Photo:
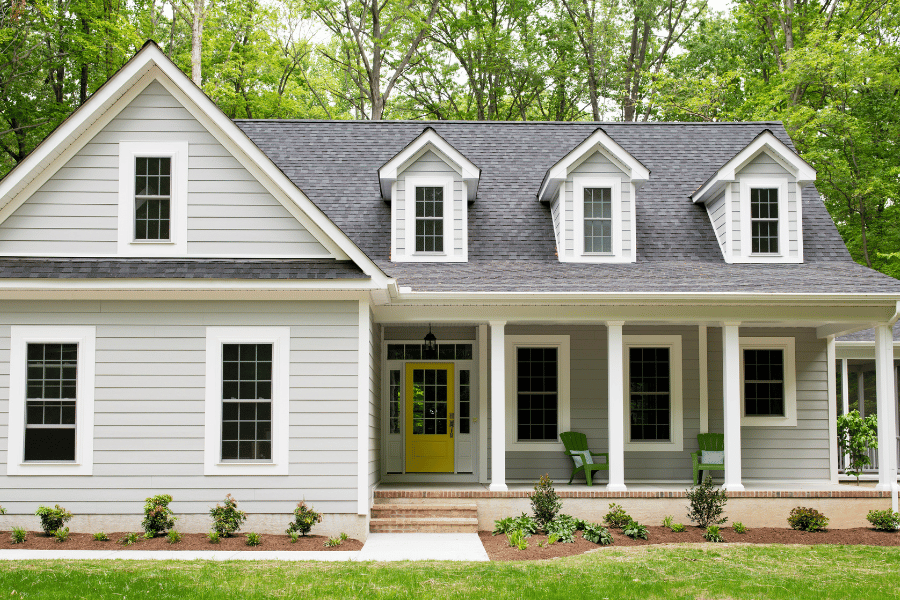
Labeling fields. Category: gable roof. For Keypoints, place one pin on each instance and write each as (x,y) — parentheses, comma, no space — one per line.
(147,65)
(429,140)
(511,242)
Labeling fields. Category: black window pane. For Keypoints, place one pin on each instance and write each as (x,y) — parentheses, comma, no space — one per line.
(49,444)
(649,400)
(247,375)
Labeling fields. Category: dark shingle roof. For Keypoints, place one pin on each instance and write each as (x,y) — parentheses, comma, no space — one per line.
(511,244)
(163,268)
(868,335)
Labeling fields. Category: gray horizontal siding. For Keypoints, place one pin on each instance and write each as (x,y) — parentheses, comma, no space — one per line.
(229,211)
(150,402)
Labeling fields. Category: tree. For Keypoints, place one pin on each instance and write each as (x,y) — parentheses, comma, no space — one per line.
(855,436)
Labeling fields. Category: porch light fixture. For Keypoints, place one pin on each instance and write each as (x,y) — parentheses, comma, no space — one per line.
(430,349)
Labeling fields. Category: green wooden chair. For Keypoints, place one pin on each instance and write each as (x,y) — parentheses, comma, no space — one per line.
(709,442)
(576,446)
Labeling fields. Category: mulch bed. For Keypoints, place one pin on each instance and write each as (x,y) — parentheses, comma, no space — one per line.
(498,548)
(36,540)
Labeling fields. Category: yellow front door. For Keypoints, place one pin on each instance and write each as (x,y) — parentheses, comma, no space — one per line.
(429,417)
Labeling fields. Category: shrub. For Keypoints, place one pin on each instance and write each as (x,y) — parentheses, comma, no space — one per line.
(333,542)
(213,537)
(523,523)
(616,517)
(516,539)
(739,527)
(129,539)
(564,528)
(855,436)
(706,504)
(52,518)
(807,519)
(712,534)
(254,539)
(294,536)
(304,519)
(18,535)
(667,521)
(173,537)
(2,511)
(552,539)
(544,502)
(594,532)
(227,519)
(101,537)
(635,530)
(61,534)
(344,537)
(884,520)
(158,517)
(677,528)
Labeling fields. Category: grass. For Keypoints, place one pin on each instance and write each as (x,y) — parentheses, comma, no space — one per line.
(732,571)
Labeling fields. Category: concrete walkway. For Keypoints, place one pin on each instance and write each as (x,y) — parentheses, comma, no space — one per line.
(379,547)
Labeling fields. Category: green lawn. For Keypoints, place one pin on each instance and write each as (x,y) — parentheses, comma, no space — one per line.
(819,572)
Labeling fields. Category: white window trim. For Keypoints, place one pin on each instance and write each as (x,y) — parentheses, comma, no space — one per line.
(177,242)
(280,338)
(578,185)
(561,342)
(450,216)
(788,345)
(783,255)
(20,337)
(676,406)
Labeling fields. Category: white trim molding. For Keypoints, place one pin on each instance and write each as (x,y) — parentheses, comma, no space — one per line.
(751,182)
(676,412)
(787,345)
(20,337)
(178,227)
(579,183)
(280,338)
(562,344)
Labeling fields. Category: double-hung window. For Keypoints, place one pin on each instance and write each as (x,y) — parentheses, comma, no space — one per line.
(768,382)
(152,197)
(597,220)
(653,392)
(429,219)
(247,402)
(51,398)
(764,220)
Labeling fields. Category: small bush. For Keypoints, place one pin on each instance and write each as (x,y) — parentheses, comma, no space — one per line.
(254,539)
(294,536)
(712,534)
(148,535)
(129,539)
(564,528)
(173,537)
(667,521)
(522,523)
(807,519)
(2,511)
(544,502)
(739,527)
(707,504)
(677,528)
(635,530)
(333,542)
(596,533)
(52,518)
(18,535)
(213,537)
(552,539)
(516,539)
(616,517)
(344,536)
(884,520)
(61,534)
(227,519)
(158,517)
(101,537)
(304,519)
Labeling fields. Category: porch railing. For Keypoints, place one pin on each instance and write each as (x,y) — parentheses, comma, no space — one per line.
(873,458)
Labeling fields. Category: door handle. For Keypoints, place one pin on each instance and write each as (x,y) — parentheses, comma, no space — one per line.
(452,421)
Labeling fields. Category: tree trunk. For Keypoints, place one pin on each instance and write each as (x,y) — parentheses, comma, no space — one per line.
(83,84)
(862,225)
(197,42)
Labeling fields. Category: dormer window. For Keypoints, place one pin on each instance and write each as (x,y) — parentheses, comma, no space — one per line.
(598,220)
(152,196)
(429,219)
(764,220)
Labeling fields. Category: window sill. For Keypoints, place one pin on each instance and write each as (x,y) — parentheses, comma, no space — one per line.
(246,468)
(49,468)
(543,446)
(152,242)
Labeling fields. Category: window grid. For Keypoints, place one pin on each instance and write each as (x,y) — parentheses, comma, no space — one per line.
(464,401)
(429,219)
(764,220)
(51,384)
(537,393)
(429,401)
(152,197)
(395,401)
(598,220)
(764,382)
(649,394)
(417,351)
(247,401)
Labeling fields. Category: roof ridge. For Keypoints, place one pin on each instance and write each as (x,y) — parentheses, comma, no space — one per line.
(474,122)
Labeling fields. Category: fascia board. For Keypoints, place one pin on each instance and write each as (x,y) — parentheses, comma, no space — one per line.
(7,285)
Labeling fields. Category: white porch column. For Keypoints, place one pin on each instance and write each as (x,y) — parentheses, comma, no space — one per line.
(498,407)
(831,370)
(615,407)
(845,386)
(731,375)
(884,396)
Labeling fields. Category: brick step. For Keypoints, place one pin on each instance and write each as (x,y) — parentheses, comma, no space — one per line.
(421,511)
(424,525)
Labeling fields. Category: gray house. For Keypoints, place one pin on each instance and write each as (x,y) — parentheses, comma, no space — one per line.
(355,313)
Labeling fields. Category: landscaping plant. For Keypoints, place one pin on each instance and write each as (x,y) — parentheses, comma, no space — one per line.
(129,539)
(712,534)
(616,517)
(294,536)
(333,542)
(101,537)
(855,436)
(254,539)
(2,511)
(344,536)
(213,537)
(61,534)
(739,527)
(707,504)
(52,518)
(227,519)
(564,529)
(635,530)
(18,535)
(173,537)
(884,520)
(544,502)
(523,522)
(807,519)
(516,539)
(667,521)
(596,533)
(158,517)
(677,528)
(304,519)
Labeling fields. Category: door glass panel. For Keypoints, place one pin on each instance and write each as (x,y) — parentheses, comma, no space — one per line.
(429,402)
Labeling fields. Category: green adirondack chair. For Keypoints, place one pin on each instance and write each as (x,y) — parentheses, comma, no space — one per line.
(576,445)
(712,442)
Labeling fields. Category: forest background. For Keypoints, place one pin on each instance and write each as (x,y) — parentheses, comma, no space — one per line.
(829,69)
